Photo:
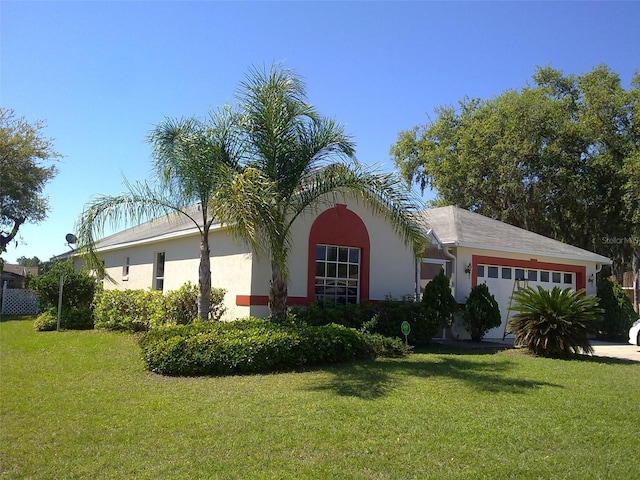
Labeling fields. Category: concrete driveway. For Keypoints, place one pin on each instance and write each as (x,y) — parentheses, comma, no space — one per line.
(625,351)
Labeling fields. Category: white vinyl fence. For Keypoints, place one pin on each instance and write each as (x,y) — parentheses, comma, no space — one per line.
(17,301)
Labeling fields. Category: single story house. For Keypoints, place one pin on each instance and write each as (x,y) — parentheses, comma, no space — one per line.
(14,275)
(345,253)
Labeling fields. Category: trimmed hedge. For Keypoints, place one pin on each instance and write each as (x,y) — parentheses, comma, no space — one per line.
(384,318)
(141,310)
(255,345)
(71,318)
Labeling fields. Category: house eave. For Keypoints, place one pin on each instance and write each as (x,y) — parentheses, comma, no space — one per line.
(593,258)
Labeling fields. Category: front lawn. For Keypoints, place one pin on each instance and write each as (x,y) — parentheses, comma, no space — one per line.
(79,404)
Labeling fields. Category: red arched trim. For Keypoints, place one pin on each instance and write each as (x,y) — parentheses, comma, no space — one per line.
(339,226)
(533,264)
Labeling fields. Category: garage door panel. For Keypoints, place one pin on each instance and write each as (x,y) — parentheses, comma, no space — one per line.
(503,280)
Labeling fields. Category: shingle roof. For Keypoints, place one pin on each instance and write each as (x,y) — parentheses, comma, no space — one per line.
(458,227)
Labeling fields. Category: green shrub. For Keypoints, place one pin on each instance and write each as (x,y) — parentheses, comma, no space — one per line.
(554,323)
(140,310)
(78,318)
(618,311)
(78,287)
(128,310)
(391,313)
(384,317)
(253,345)
(182,304)
(439,300)
(481,312)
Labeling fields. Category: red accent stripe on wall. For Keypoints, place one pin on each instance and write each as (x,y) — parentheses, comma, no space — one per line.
(533,264)
(263,300)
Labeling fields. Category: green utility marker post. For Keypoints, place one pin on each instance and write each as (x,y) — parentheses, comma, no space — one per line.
(406,328)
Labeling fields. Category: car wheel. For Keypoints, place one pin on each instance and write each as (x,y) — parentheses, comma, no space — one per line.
(638,340)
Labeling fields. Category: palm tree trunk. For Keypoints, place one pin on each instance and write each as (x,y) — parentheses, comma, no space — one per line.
(204,276)
(277,294)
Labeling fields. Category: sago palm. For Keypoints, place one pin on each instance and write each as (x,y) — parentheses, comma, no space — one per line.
(554,323)
(300,158)
(192,159)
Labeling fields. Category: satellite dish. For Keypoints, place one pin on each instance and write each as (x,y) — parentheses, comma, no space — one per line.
(71,238)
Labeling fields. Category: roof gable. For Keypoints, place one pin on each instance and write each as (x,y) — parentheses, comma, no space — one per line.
(458,227)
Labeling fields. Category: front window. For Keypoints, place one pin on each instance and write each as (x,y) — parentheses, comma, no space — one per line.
(125,269)
(158,283)
(337,274)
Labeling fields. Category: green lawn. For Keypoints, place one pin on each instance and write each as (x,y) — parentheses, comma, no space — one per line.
(80,405)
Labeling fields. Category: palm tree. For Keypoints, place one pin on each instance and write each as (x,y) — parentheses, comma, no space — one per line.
(554,323)
(192,158)
(300,158)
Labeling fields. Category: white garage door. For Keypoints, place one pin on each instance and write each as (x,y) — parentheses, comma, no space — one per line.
(503,280)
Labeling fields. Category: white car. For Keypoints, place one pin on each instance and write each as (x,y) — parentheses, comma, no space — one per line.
(634,333)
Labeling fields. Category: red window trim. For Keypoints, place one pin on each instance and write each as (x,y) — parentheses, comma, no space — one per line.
(335,226)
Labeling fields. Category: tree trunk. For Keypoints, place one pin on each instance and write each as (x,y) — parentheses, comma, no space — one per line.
(277,294)
(204,276)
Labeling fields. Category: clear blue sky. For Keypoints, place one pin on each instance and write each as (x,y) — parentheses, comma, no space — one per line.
(102,74)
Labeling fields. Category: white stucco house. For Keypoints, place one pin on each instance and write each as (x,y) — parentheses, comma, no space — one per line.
(346,253)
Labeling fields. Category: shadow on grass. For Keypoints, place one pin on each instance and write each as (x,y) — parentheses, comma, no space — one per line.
(374,379)
(9,318)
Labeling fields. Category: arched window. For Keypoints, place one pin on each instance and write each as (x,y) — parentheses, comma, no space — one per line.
(339,257)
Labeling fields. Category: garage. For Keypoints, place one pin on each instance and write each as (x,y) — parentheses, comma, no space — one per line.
(503,280)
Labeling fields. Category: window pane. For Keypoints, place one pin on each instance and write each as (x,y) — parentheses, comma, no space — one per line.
(160,264)
(321,252)
(320,270)
(493,272)
(343,254)
(544,276)
(353,271)
(506,273)
(332,254)
(568,278)
(519,274)
(331,270)
(342,270)
(480,270)
(556,277)
(354,255)
(533,275)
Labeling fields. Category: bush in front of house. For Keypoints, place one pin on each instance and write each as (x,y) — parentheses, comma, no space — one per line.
(78,318)
(384,317)
(481,312)
(128,310)
(618,311)
(254,345)
(141,310)
(439,300)
(554,323)
(181,305)
(78,290)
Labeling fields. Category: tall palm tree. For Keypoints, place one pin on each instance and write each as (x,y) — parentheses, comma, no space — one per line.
(192,159)
(300,158)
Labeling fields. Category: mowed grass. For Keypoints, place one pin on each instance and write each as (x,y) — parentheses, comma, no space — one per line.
(80,405)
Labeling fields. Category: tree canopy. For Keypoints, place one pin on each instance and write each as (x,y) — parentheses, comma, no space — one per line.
(560,157)
(25,155)
(192,160)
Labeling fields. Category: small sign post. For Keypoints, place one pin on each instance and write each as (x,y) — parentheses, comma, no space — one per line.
(406,328)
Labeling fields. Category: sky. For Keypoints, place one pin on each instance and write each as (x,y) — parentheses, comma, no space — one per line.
(103,74)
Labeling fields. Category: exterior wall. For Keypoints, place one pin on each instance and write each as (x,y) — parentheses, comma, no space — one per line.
(391,269)
(230,266)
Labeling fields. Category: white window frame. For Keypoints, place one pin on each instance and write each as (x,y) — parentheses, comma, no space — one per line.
(156,277)
(340,282)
